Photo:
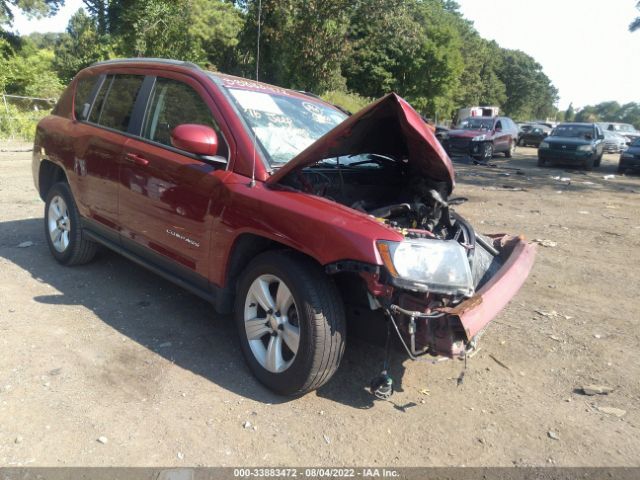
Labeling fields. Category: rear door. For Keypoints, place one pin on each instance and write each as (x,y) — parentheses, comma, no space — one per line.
(103,118)
(166,194)
(501,136)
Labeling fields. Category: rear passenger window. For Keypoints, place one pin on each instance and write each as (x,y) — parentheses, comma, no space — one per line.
(84,87)
(114,103)
(174,103)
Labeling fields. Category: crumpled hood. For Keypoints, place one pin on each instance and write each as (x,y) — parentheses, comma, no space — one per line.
(388,126)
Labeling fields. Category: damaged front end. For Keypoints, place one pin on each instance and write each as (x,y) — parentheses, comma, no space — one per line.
(437,280)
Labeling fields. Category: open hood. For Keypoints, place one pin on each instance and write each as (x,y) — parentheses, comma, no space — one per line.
(388,126)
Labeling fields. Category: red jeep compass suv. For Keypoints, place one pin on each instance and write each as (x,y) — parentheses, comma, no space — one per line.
(274,205)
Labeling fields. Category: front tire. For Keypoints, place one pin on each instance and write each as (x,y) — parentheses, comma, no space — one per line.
(291,322)
(541,162)
(598,160)
(63,230)
(589,163)
(487,153)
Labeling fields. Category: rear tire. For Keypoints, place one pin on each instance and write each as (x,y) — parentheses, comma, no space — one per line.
(291,322)
(512,149)
(63,229)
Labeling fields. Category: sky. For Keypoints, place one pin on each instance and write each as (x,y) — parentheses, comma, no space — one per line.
(584,46)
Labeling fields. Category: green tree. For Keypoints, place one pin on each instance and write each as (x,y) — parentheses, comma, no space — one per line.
(301,42)
(80,46)
(529,91)
(570,114)
(35,8)
(410,47)
(29,72)
(154,28)
(214,27)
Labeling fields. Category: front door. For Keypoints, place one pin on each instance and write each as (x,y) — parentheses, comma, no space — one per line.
(166,194)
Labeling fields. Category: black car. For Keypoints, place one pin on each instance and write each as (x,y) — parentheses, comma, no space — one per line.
(581,143)
(533,135)
(630,159)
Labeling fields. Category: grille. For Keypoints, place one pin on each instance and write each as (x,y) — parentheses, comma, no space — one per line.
(563,148)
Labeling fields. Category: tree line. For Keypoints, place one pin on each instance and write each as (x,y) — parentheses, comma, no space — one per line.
(350,51)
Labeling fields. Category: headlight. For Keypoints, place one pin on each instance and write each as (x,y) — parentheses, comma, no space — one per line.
(626,155)
(479,138)
(543,145)
(585,148)
(439,266)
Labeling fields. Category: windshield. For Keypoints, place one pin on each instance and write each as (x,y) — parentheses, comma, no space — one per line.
(573,131)
(621,127)
(476,123)
(285,125)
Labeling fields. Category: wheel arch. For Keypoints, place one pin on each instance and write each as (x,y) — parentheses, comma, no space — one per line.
(244,249)
(49,173)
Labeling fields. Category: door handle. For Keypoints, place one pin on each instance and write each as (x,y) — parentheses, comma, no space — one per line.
(137,159)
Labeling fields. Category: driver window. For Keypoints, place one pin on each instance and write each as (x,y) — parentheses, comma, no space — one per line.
(174,103)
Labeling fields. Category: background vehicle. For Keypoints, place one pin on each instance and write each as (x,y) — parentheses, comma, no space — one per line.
(533,135)
(624,129)
(577,143)
(481,137)
(630,159)
(275,206)
(477,112)
(613,142)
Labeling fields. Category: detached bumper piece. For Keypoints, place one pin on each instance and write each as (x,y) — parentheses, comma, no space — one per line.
(450,331)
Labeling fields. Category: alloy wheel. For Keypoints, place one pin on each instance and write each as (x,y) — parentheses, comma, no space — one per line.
(59,223)
(271,323)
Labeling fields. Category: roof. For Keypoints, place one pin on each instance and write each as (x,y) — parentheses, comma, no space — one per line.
(163,61)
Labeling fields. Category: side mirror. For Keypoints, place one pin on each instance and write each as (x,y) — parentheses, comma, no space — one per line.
(196,139)
(601,137)
(498,129)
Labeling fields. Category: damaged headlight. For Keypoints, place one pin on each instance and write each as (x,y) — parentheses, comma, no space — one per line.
(479,138)
(439,266)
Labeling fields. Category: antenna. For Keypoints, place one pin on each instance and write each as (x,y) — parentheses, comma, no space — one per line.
(255,140)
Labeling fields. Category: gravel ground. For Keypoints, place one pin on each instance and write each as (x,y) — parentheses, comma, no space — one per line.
(107,364)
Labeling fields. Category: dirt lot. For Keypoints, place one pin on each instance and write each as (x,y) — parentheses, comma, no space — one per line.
(110,350)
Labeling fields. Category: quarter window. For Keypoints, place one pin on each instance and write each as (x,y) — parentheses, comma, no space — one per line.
(84,86)
(174,103)
(114,103)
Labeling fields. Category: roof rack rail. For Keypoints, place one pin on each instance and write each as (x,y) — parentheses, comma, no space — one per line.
(165,61)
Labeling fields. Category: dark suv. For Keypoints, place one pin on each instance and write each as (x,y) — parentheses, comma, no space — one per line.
(481,137)
(576,143)
(276,206)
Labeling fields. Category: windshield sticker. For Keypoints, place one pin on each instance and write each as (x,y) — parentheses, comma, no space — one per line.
(257,101)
